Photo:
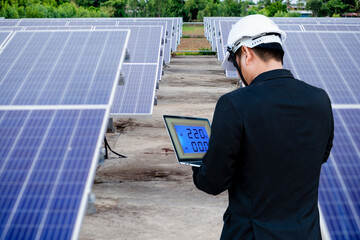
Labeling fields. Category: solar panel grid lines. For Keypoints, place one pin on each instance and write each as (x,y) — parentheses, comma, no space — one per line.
(229,22)
(143,51)
(130,99)
(38,204)
(62,209)
(4,36)
(84,27)
(105,21)
(84,21)
(9,22)
(335,74)
(43,22)
(169,30)
(338,190)
(166,45)
(52,95)
(10,28)
(92,23)
(137,96)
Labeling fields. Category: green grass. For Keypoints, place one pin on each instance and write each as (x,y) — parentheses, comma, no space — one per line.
(193,29)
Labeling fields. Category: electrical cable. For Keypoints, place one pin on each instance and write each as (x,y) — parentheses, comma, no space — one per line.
(108,146)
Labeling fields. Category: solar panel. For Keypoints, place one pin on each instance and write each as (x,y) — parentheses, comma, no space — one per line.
(31,28)
(339,191)
(42,22)
(47,164)
(329,60)
(175,35)
(60,67)
(142,51)
(10,28)
(169,30)
(139,74)
(48,153)
(287,24)
(9,22)
(166,48)
(91,22)
(136,97)
(332,27)
(3,36)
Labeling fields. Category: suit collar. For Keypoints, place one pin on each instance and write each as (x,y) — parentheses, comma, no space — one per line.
(273,74)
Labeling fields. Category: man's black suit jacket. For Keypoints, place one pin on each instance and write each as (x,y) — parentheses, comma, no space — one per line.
(268,142)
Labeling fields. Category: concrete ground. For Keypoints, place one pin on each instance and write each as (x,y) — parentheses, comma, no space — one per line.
(149,195)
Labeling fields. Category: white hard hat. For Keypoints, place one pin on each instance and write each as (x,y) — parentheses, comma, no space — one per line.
(251,31)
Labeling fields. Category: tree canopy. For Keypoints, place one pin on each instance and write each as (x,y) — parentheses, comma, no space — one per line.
(189,10)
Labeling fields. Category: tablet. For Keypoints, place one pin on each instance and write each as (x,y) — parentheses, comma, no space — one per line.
(190,138)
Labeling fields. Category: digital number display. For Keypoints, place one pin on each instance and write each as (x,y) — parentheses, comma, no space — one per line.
(193,139)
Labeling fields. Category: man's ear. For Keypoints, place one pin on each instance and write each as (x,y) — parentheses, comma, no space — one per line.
(248,53)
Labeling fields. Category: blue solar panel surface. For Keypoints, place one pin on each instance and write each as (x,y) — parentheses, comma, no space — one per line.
(60,67)
(3,36)
(48,154)
(166,48)
(136,97)
(169,30)
(92,23)
(31,28)
(142,51)
(45,162)
(10,28)
(327,60)
(42,22)
(339,191)
(9,22)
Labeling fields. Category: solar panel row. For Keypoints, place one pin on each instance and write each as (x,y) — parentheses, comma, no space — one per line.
(83,62)
(140,51)
(57,89)
(214,33)
(174,26)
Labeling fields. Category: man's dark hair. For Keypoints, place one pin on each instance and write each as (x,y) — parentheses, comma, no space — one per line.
(268,51)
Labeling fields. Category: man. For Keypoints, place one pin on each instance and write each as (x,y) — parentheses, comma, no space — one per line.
(268,141)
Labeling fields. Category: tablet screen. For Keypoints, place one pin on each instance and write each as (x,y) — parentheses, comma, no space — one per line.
(189,135)
(193,139)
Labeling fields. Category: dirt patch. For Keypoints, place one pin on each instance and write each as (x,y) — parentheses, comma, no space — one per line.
(194,44)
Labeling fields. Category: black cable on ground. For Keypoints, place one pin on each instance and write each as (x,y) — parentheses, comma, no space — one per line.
(108,146)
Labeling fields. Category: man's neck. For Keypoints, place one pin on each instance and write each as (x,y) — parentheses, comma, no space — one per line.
(262,67)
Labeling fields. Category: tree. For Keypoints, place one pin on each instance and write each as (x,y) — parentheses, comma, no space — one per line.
(117,7)
(8,11)
(315,6)
(276,7)
(193,7)
(336,7)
